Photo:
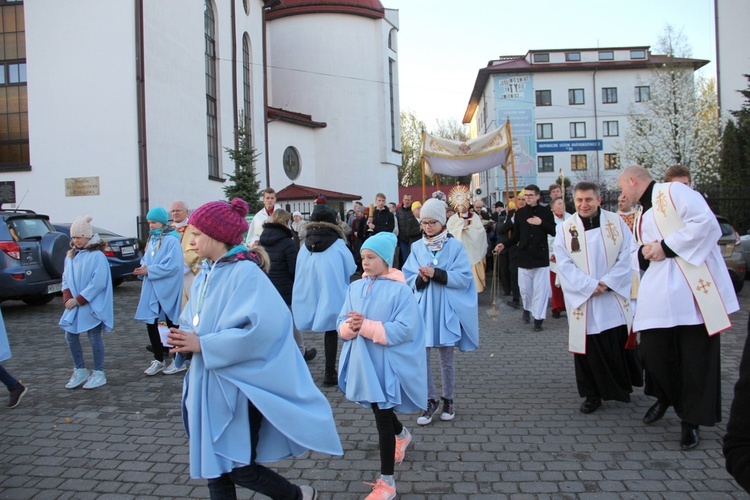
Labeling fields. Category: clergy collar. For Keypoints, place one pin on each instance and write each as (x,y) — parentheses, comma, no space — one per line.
(646,196)
(591,222)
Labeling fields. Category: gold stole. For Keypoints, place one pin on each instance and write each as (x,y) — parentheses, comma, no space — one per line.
(699,278)
(612,239)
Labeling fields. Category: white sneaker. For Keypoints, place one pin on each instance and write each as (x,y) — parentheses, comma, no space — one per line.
(172,368)
(308,492)
(156,367)
(79,376)
(97,379)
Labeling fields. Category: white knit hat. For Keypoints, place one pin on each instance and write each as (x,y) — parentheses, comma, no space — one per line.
(433,209)
(81,227)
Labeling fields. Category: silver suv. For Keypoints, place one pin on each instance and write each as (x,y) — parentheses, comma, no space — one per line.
(32,256)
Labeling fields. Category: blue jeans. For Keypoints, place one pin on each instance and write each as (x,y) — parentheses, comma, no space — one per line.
(446,370)
(97,345)
(7,379)
(404,249)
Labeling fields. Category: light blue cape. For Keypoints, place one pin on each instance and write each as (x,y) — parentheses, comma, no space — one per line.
(163,284)
(88,274)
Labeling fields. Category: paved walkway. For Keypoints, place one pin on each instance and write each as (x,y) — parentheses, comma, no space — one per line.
(517,433)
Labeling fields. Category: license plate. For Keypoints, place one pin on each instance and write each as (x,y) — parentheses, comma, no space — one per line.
(127,250)
(57,287)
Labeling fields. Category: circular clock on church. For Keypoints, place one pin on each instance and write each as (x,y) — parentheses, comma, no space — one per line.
(291,162)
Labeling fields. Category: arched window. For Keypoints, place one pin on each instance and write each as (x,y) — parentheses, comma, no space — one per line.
(212,121)
(246,87)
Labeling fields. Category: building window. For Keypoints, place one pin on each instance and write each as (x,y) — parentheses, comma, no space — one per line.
(611,161)
(392,40)
(544,131)
(544,98)
(394,115)
(291,162)
(212,115)
(246,5)
(541,58)
(577,130)
(14,116)
(572,56)
(578,162)
(575,96)
(638,54)
(642,93)
(546,163)
(609,95)
(247,94)
(611,128)
(606,55)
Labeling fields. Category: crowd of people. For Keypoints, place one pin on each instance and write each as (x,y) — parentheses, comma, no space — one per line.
(644,291)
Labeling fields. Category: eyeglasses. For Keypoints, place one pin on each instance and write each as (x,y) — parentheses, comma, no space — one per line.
(180,210)
(429,223)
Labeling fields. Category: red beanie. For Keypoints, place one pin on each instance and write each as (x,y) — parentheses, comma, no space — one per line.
(222,221)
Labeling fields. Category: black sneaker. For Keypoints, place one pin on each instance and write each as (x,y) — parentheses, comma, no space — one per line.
(16,394)
(448,412)
(426,417)
(526,317)
(310,354)
(331,379)
(514,304)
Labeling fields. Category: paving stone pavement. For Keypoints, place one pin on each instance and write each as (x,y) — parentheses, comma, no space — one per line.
(517,433)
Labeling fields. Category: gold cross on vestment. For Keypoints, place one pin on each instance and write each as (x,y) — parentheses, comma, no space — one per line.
(703,287)
(578,314)
(661,203)
(612,231)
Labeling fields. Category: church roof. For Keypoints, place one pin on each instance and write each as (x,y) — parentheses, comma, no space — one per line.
(367,8)
(273,114)
(298,192)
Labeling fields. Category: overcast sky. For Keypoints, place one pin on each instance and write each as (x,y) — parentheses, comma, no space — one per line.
(444,43)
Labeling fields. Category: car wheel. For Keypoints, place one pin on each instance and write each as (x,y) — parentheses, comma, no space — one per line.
(39,300)
(54,247)
(738,284)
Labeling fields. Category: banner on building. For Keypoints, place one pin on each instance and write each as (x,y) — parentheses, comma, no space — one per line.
(457,158)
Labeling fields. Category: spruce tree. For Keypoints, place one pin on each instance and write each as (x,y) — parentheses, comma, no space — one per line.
(244,183)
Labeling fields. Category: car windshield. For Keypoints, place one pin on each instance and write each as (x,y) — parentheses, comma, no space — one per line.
(25,229)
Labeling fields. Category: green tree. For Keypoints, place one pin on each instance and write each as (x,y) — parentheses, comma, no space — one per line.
(410,171)
(244,182)
(705,169)
(734,159)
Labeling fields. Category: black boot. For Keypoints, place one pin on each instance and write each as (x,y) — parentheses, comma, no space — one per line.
(690,436)
(526,317)
(330,342)
(538,325)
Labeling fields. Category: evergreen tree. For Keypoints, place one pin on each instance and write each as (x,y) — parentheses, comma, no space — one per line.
(244,184)
(735,158)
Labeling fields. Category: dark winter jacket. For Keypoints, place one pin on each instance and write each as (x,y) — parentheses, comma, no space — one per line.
(321,235)
(408,225)
(383,221)
(737,439)
(533,250)
(278,241)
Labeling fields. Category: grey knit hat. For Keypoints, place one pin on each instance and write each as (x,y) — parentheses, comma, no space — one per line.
(433,209)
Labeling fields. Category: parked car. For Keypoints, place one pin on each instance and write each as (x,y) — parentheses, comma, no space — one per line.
(745,246)
(32,256)
(122,252)
(729,243)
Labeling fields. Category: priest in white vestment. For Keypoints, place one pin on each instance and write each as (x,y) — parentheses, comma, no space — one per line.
(593,249)
(466,227)
(684,300)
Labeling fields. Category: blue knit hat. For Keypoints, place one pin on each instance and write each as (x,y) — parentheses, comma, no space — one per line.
(158,214)
(383,244)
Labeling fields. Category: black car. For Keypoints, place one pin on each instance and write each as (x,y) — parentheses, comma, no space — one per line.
(32,257)
(122,252)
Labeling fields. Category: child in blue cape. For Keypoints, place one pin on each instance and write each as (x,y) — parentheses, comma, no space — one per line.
(88,299)
(248,396)
(161,293)
(321,278)
(382,362)
(438,270)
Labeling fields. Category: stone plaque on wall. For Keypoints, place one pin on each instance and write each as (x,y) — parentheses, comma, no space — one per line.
(82,186)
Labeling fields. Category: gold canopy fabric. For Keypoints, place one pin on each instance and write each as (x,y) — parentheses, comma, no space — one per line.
(457,158)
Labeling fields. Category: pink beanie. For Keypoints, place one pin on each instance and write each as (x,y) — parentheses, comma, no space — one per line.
(222,221)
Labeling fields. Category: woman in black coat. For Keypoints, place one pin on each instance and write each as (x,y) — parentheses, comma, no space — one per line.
(277,239)
(737,439)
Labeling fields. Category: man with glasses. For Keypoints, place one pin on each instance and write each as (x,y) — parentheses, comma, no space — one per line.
(532,224)
(179,213)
